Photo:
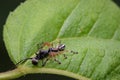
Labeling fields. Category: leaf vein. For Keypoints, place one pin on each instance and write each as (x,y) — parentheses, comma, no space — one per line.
(85,52)
(115,32)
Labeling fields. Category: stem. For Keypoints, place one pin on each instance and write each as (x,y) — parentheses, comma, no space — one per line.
(11,74)
(22,70)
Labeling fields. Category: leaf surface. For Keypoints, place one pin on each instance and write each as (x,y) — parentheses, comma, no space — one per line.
(90,27)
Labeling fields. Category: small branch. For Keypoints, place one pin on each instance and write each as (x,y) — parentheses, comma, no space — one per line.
(11,74)
(22,70)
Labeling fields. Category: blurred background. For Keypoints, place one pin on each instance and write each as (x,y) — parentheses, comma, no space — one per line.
(6,6)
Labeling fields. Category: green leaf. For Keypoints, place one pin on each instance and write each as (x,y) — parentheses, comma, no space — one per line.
(90,27)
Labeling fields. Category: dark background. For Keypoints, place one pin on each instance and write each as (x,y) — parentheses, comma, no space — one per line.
(5,63)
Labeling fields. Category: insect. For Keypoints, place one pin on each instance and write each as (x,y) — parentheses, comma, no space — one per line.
(45,55)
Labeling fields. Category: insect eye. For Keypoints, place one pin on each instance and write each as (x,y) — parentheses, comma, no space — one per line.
(61,47)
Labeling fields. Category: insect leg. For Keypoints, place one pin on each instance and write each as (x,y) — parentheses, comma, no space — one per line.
(59,42)
(41,45)
(65,56)
(44,62)
(57,61)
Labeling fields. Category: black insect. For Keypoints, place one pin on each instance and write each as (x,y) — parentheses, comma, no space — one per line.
(50,52)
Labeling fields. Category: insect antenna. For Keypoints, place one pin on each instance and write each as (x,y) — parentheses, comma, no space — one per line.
(74,52)
(70,51)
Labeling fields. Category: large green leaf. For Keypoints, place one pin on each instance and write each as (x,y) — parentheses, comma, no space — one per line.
(91,27)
